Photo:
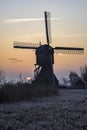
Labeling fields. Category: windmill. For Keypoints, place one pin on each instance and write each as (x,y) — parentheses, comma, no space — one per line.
(43,72)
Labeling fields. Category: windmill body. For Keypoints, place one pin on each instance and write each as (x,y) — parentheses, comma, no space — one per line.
(43,72)
(45,60)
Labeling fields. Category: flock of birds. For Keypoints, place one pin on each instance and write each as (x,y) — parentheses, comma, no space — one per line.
(14,60)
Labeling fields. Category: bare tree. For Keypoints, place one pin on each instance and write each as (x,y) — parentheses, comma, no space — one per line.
(73,76)
(65,81)
(2,77)
(20,77)
(84,73)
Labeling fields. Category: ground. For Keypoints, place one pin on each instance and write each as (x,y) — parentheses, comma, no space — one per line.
(67,111)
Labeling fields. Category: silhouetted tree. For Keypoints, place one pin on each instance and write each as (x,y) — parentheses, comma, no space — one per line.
(2,77)
(73,76)
(65,81)
(21,79)
(84,73)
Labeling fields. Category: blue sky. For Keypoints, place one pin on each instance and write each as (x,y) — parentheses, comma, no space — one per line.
(25,8)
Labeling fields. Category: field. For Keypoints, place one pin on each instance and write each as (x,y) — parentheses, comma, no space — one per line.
(66,111)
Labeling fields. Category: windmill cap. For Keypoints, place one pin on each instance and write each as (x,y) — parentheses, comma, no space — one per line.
(44,49)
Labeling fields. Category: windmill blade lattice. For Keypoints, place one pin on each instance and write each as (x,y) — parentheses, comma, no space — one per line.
(24,45)
(48,27)
(69,50)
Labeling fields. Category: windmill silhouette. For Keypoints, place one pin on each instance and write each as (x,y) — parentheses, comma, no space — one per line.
(43,72)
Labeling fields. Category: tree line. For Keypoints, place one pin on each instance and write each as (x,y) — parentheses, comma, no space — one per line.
(73,76)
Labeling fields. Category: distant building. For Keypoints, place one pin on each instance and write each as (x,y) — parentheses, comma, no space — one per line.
(79,83)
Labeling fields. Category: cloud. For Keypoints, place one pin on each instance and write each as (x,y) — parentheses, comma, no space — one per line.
(26,20)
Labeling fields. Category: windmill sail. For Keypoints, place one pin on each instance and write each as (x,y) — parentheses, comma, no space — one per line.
(24,45)
(69,50)
(48,26)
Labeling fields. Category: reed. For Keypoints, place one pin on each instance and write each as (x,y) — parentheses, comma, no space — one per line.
(11,92)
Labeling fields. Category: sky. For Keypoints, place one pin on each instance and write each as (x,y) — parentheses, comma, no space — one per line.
(69,29)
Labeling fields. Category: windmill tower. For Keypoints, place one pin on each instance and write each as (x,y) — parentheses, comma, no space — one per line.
(43,72)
